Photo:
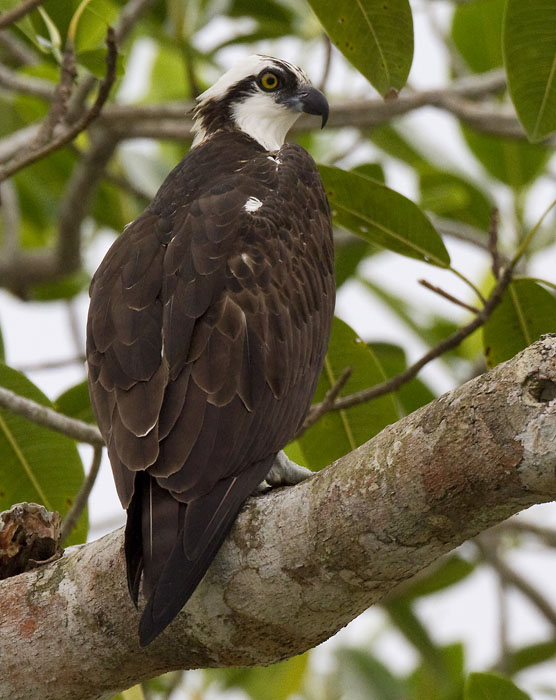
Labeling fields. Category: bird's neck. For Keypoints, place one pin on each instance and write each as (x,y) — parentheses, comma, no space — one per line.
(253,118)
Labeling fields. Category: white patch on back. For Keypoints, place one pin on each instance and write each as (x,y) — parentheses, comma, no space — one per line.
(248,260)
(252,204)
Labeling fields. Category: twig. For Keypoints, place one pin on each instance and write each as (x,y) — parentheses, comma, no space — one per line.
(11,16)
(503,660)
(9,215)
(16,50)
(49,418)
(69,133)
(62,93)
(129,16)
(511,577)
(324,406)
(77,195)
(448,343)
(493,242)
(72,516)
(26,84)
(447,295)
(30,267)
(526,528)
(327,62)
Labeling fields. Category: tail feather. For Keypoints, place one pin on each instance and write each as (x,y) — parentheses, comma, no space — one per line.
(161,522)
(133,542)
(206,522)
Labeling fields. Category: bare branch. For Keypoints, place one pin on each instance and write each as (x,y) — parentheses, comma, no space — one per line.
(327,402)
(513,578)
(449,297)
(30,267)
(48,418)
(9,213)
(355,530)
(77,196)
(13,15)
(493,242)
(130,14)
(74,513)
(70,132)
(26,84)
(516,526)
(448,343)
(16,49)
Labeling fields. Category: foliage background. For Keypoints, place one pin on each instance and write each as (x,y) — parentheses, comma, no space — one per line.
(489,607)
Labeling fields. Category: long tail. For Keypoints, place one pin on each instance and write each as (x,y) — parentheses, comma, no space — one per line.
(173,544)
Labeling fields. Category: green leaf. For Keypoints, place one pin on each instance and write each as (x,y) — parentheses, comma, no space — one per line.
(75,403)
(391,141)
(477,33)
(526,311)
(381,216)
(276,682)
(168,79)
(347,258)
(374,171)
(94,60)
(443,681)
(36,464)
(515,163)
(449,571)
(414,631)
(64,288)
(376,37)
(364,677)
(93,24)
(531,655)
(487,686)
(452,196)
(412,395)
(339,432)
(135,693)
(529,45)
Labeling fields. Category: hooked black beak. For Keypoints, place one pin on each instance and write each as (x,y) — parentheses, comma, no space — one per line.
(310,100)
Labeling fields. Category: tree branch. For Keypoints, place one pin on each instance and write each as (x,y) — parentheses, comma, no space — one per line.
(11,16)
(452,341)
(301,561)
(68,132)
(49,418)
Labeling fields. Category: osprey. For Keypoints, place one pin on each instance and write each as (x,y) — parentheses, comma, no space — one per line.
(207,330)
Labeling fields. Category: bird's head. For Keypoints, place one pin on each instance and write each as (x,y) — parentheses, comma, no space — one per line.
(261,96)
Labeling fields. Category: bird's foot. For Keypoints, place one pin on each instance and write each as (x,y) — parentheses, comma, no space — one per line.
(284,472)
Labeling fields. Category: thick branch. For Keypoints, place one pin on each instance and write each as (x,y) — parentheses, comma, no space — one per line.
(302,561)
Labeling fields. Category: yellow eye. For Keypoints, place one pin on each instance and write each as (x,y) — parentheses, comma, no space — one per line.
(269,81)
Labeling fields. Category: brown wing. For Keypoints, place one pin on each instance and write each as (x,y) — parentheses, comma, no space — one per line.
(206,335)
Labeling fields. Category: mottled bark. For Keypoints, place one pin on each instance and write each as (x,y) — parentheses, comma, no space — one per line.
(301,562)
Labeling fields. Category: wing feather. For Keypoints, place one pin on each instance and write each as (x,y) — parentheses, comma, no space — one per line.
(207,330)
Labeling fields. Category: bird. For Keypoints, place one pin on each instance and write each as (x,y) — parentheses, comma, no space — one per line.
(208,325)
